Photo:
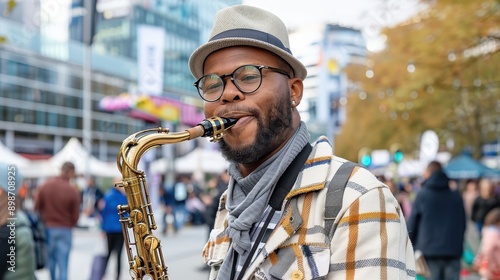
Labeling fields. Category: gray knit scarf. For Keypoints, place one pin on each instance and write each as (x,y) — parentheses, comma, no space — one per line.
(249,196)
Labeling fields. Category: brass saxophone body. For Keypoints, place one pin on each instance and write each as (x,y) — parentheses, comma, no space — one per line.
(137,216)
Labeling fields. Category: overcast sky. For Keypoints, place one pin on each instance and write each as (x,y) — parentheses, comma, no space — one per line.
(367,15)
(350,12)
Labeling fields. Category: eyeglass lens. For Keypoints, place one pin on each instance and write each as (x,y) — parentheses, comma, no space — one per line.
(246,78)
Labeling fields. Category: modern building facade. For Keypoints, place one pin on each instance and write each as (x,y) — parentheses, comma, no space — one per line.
(326,50)
(41,103)
(119,37)
(42,75)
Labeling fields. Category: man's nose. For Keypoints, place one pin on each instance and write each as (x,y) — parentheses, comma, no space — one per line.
(231,92)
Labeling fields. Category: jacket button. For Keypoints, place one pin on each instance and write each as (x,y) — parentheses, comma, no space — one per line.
(297,274)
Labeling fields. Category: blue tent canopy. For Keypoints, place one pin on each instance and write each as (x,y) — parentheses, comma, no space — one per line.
(465,167)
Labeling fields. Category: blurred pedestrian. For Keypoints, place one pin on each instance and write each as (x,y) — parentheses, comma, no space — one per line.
(167,202)
(194,208)
(472,235)
(91,195)
(488,258)
(404,197)
(469,195)
(388,181)
(180,195)
(400,192)
(111,224)
(437,224)
(58,202)
(217,186)
(22,266)
(486,201)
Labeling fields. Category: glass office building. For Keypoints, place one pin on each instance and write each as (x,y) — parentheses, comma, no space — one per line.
(118,37)
(41,102)
(42,74)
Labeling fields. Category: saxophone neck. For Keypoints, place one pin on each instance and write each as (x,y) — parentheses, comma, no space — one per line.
(137,144)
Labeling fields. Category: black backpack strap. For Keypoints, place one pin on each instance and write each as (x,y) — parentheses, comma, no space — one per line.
(335,194)
(282,188)
(288,178)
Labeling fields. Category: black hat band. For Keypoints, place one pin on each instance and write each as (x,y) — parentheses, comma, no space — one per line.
(252,34)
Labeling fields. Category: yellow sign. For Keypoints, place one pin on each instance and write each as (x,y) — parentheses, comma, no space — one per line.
(158,109)
(333,66)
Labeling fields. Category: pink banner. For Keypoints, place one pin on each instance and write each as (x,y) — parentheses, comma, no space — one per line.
(154,107)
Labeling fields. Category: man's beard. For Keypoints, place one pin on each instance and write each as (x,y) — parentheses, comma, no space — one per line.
(271,134)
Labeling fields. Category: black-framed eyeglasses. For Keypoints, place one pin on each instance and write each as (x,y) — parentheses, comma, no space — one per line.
(246,78)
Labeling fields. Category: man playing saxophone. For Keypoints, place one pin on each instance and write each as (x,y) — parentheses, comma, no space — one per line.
(273,220)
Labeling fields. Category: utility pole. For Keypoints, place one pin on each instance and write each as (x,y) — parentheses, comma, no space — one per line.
(87,90)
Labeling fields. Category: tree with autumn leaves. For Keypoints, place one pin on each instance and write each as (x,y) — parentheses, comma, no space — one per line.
(439,71)
(9,6)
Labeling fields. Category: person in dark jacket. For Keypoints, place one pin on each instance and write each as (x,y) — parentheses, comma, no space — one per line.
(437,224)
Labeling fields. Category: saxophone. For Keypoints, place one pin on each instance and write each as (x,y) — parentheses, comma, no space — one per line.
(137,216)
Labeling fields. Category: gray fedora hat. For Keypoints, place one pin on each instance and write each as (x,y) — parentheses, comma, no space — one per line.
(243,25)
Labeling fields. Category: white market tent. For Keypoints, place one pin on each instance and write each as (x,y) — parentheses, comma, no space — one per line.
(41,168)
(199,160)
(74,152)
(12,158)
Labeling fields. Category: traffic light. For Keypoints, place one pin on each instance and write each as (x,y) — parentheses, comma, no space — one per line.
(365,157)
(397,153)
(398,156)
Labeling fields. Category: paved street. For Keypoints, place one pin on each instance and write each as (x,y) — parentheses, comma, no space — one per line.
(182,254)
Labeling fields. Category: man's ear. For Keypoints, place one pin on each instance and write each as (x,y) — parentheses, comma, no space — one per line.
(296,90)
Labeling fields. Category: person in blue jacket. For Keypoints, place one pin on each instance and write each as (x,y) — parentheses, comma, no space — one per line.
(437,224)
(111,224)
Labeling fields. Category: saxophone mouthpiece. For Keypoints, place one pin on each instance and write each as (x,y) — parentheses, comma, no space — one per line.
(229,122)
(215,126)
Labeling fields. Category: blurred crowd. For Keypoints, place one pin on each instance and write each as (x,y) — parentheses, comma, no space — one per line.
(183,202)
(189,202)
(67,201)
(479,195)
(186,201)
(439,228)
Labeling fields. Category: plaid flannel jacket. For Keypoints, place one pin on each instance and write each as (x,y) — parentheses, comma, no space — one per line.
(371,240)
